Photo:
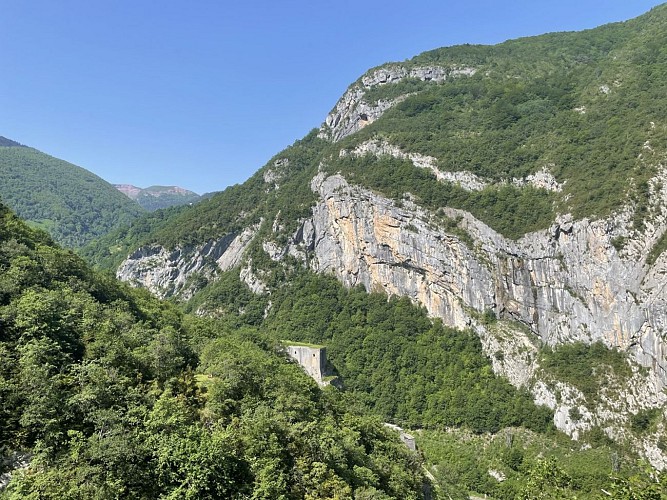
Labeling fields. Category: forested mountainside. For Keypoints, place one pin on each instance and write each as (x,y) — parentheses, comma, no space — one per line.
(156,197)
(106,392)
(515,191)
(69,202)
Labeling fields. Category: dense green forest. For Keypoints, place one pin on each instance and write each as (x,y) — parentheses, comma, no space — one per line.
(69,202)
(115,394)
(397,363)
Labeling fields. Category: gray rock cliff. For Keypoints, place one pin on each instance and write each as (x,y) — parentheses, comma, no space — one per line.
(353,112)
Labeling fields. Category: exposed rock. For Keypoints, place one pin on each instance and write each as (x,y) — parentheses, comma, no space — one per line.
(352,112)
(168,273)
(277,172)
(543,179)
(564,284)
(497,475)
(156,197)
(254,283)
(15,461)
(466,180)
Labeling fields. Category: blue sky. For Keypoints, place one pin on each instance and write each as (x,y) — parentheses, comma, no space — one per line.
(201,94)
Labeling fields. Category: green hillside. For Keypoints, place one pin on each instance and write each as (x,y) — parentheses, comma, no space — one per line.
(69,202)
(113,394)
(588,109)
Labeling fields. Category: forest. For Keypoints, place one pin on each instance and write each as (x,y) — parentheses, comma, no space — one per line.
(72,204)
(112,393)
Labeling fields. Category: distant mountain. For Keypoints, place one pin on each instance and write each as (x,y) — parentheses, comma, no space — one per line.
(156,197)
(71,203)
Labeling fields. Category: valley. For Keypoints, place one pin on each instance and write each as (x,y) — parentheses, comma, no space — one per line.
(473,239)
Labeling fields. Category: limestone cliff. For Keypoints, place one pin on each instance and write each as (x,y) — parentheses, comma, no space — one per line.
(169,273)
(354,111)
(586,279)
(567,283)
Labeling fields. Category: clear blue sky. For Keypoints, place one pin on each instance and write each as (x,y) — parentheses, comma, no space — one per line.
(201,94)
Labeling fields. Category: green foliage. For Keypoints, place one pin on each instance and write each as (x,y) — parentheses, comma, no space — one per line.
(511,210)
(398,362)
(116,394)
(533,465)
(657,249)
(643,420)
(109,250)
(645,484)
(586,366)
(70,203)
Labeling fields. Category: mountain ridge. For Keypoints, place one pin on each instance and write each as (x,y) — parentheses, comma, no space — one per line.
(157,197)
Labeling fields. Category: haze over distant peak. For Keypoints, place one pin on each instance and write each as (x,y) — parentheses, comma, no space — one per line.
(156,197)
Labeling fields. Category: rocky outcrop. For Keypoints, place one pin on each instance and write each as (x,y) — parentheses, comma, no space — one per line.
(12,463)
(568,283)
(542,179)
(168,273)
(353,112)
(464,179)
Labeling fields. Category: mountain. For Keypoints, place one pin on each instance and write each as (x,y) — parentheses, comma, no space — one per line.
(157,197)
(71,203)
(516,192)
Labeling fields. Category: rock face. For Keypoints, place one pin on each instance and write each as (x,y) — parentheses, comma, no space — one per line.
(567,283)
(542,179)
(171,272)
(352,112)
